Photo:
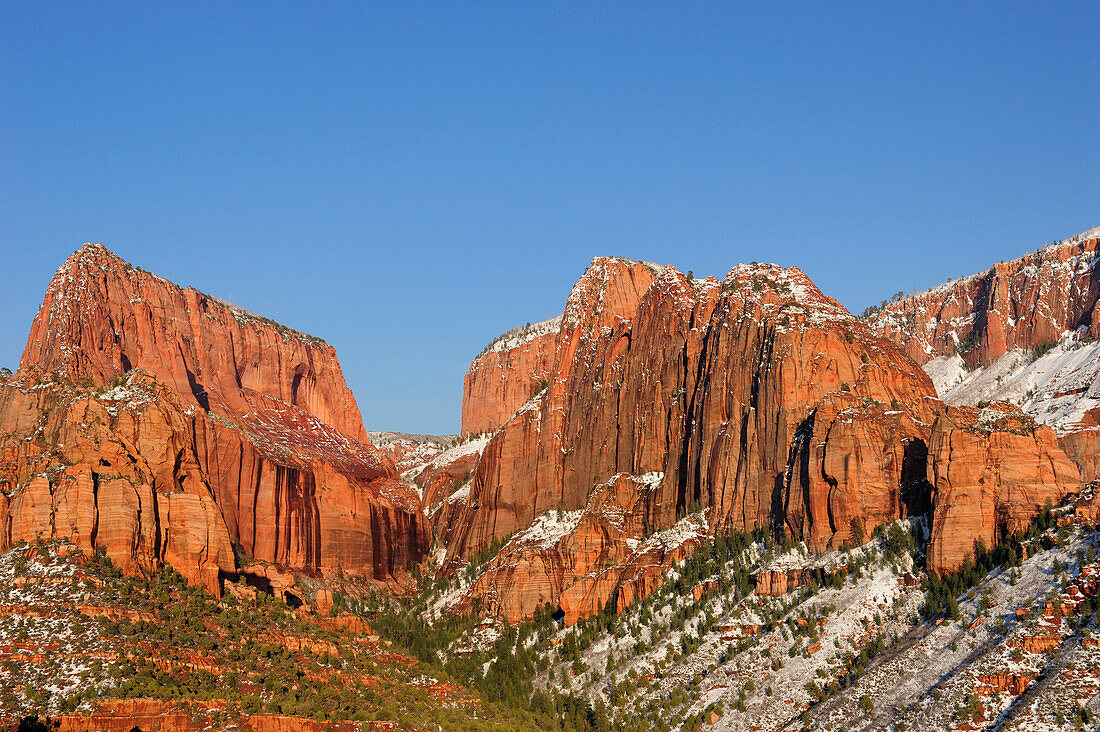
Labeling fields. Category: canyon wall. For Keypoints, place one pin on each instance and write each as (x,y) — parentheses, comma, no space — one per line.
(111,472)
(1025,332)
(261,416)
(752,402)
(1018,304)
(102,317)
(511,369)
(992,469)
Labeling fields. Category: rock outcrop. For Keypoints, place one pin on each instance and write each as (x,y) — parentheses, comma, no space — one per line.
(758,399)
(112,473)
(1025,332)
(444,487)
(580,561)
(775,582)
(1019,304)
(102,317)
(992,470)
(1083,447)
(511,369)
(257,416)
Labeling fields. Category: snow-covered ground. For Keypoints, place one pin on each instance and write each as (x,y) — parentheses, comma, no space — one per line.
(757,663)
(523,334)
(1057,388)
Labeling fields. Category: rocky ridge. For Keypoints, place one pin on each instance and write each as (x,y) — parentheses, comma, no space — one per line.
(1016,304)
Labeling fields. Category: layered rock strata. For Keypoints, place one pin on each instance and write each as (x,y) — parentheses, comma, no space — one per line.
(757,399)
(1024,331)
(992,469)
(506,374)
(111,472)
(1018,304)
(260,415)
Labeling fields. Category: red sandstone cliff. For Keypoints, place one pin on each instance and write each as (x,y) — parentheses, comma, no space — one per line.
(581,560)
(758,399)
(102,317)
(992,469)
(260,418)
(1021,304)
(106,471)
(1017,304)
(509,372)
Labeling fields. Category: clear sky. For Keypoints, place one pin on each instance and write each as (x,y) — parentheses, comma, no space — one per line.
(407,180)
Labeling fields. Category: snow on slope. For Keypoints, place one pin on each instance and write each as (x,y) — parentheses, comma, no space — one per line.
(1057,388)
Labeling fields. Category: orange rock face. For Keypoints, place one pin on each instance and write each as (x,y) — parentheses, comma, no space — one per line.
(1014,684)
(708,385)
(1083,447)
(101,318)
(257,415)
(758,399)
(774,582)
(579,561)
(510,371)
(101,473)
(992,469)
(1017,304)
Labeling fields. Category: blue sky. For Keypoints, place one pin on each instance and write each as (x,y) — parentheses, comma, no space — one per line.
(407,180)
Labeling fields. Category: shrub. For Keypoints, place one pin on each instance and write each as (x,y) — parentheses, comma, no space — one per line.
(1042,349)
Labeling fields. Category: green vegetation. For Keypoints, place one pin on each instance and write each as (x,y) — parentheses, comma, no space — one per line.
(1042,349)
(874,309)
(177,642)
(972,339)
(943,591)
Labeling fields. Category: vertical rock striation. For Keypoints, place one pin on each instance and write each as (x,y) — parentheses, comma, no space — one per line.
(102,317)
(509,372)
(262,417)
(1018,304)
(992,469)
(758,401)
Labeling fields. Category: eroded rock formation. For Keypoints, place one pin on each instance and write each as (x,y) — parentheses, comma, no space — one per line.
(247,430)
(579,561)
(1018,304)
(758,399)
(511,370)
(992,469)
(108,471)
(102,317)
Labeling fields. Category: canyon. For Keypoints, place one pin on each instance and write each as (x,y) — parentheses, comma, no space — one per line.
(599,453)
(656,402)
(758,402)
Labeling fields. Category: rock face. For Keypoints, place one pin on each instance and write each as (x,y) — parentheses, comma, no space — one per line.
(258,415)
(992,337)
(444,485)
(775,582)
(512,369)
(582,560)
(758,399)
(101,318)
(1018,304)
(1083,447)
(105,472)
(993,469)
